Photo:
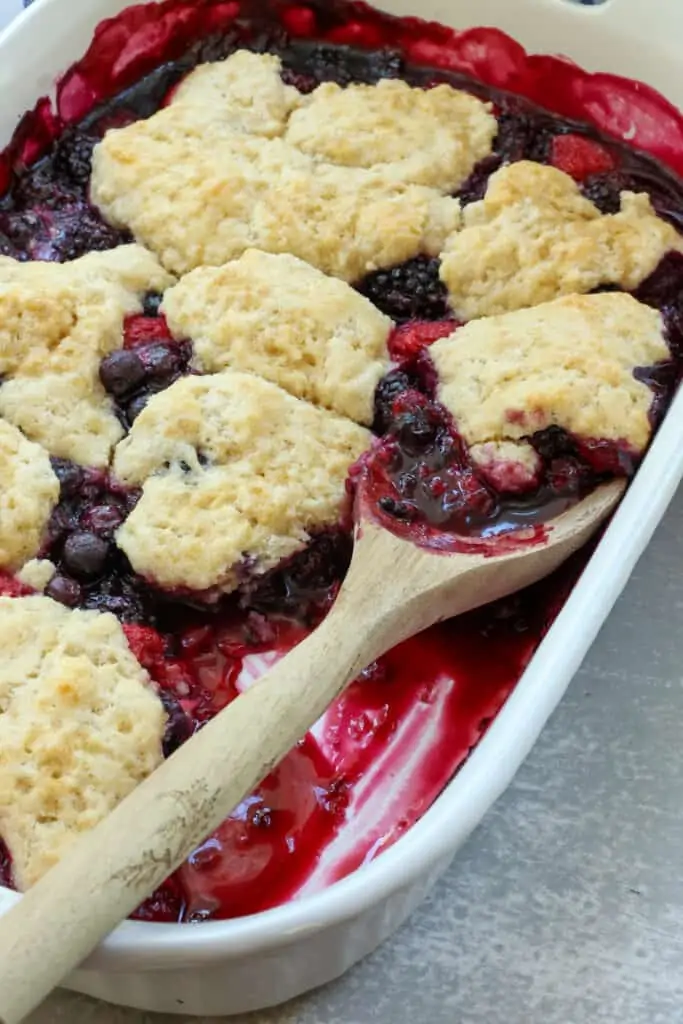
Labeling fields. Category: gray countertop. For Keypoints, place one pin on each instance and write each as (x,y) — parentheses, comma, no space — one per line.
(566,906)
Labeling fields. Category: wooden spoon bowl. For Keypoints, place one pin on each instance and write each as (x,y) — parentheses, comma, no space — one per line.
(393,590)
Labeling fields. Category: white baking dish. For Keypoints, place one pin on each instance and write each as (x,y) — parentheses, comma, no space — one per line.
(235,966)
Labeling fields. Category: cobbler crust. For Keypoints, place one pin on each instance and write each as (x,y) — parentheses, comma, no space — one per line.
(236,473)
(247,89)
(197,188)
(431,137)
(30,490)
(80,727)
(57,322)
(567,363)
(534,238)
(285,321)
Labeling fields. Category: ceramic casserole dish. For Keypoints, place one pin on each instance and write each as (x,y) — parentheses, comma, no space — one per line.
(235,966)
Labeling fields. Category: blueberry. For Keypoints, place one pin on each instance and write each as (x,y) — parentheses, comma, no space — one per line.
(70,477)
(151,303)
(134,408)
(85,555)
(160,361)
(179,727)
(122,372)
(397,509)
(65,590)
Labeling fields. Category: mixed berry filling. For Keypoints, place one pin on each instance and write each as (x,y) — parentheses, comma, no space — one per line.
(419,476)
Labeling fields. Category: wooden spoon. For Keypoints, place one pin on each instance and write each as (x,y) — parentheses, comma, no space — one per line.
(393,590)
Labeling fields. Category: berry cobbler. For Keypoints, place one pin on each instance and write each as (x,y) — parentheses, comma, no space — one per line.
(273,257)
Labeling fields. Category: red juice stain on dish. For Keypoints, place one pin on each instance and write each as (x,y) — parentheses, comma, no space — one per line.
(383,752)
(378,758)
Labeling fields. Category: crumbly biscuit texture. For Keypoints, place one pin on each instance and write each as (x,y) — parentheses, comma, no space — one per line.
(511,467)
(80,727)
(236,474)
(567,363)
(57,322)
(429,137)
(534,238)
(283,320)
(37,573)
(29,492)
(247,89)
(201,182)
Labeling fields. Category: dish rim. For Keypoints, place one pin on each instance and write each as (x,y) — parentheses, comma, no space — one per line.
(490,767)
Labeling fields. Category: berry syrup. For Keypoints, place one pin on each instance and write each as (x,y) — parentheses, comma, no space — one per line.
(386,749)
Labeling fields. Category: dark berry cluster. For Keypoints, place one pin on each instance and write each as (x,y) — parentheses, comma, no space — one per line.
(411,291)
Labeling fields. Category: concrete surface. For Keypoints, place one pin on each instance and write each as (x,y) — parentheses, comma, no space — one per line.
(566,907)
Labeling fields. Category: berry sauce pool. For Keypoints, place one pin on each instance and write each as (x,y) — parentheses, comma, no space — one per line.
(383,752)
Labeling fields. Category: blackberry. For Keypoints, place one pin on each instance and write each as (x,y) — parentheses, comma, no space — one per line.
(86,233)
(553,443)
(72,158)
(475,187)
(329,64)
(523,137)
(37,188)
(118,595)
(410,291)
(604,191)
(22,229)
(384,64)
(388,390)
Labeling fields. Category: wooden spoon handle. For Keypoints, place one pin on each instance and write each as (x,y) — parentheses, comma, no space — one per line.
(108,872)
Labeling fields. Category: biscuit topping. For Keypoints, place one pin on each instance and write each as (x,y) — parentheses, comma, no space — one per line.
(80,727)
(57,322)
(429,137)
(236,475)
(282,319)
(214,173)
(534,238)
(567,363)
(28,492)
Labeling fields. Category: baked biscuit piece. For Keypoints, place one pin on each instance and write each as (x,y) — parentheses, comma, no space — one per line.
(567,363)
(429,137)
(209,176)
(199,193)
(29,492)
(282,319)
(236,474)
(248,90)
(534,237)
(57,322)
(80,727)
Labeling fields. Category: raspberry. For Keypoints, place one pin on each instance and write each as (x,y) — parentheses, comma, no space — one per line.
(580,157)
(409,339)
(140,330)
